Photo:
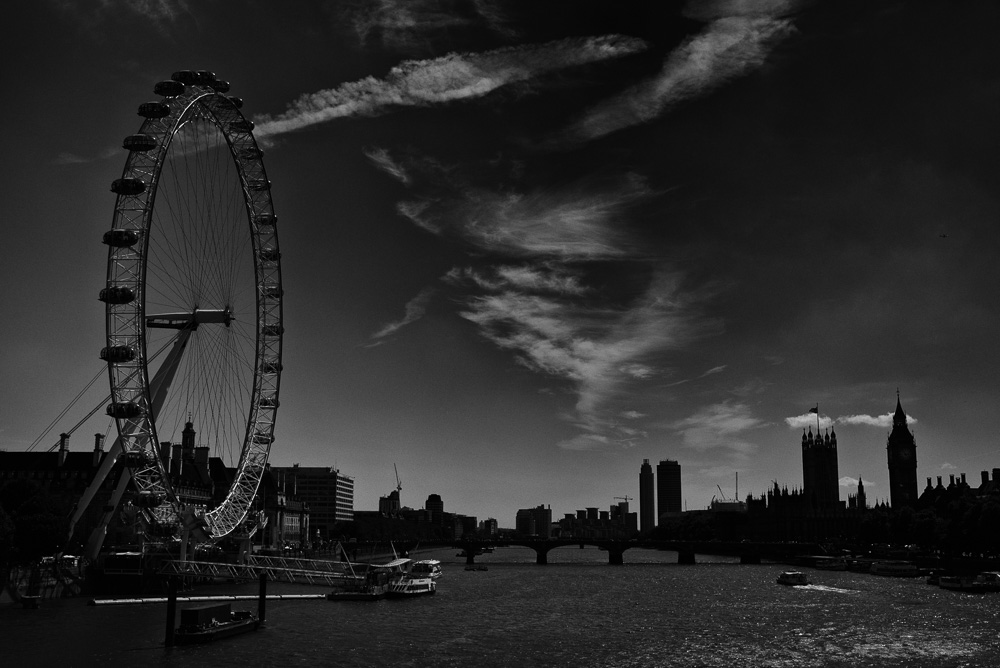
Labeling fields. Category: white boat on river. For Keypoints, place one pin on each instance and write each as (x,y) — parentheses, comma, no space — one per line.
(410,586)
(427,568)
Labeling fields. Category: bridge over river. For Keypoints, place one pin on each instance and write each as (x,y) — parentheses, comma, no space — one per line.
(749,552)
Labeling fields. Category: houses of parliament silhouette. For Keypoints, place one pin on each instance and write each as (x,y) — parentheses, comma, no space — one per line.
(815,511)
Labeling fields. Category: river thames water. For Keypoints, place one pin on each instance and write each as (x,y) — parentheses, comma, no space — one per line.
(575,611)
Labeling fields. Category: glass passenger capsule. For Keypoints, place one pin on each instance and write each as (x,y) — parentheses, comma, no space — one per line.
(139,143)
(168,88)
(153,110)
(117,294)
(120,238)
(266,219)
(128,186)
(124,410)
(118,354)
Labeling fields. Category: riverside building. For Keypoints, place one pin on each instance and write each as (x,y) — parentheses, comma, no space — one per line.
(647,509)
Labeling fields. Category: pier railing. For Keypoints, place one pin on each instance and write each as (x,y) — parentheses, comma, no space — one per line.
(278,569)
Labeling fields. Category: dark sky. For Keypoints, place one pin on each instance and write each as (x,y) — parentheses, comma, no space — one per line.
(527,245)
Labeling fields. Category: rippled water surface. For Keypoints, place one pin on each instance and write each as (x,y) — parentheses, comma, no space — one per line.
(576,611)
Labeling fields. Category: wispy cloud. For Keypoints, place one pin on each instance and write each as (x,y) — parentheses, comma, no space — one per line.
(731,45)
(380,158)
(69,159)
(413,311)
(599,350)
(883,421)
(711,10)
(441,80)
(66,158)
(720,426)
(848,481)
(414,25)
(809,420)
(553,279)
(580,222)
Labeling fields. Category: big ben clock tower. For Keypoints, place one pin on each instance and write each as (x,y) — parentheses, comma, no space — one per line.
(902,453)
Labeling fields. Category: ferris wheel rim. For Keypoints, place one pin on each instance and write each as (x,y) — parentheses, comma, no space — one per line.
(186,95)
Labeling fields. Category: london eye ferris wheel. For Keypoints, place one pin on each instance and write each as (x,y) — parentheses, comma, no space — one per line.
(193,298)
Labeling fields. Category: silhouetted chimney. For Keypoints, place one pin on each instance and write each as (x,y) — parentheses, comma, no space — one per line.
(996,475)
(176,459)
(963,479)
(165,455)
(201,457)
(951,481)
(63,448)
(939,481)
(986,477)
(98,449)
(929,485)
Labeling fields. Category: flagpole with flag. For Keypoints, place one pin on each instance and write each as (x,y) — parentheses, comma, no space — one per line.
(816,411)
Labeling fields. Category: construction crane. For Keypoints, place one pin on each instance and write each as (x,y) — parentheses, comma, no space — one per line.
(722,493)
(625,498)
(399,484)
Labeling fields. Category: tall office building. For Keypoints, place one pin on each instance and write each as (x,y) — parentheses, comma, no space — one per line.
(902,453)
(668,486)
(647,510)
(820,472)
(329,493)
(435,509)
(535,522)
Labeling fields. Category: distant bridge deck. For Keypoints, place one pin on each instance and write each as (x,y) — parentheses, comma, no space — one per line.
(747,551)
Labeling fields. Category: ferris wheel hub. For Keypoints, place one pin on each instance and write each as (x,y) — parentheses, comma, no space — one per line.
(199,316)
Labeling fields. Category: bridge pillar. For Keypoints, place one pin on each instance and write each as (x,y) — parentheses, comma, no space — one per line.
(685,558)
(470,557)
(541,556)
(750,559)
(615,557)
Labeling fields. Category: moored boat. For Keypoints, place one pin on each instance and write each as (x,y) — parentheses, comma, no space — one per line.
(408,587)
(963,583)
(427,568)
(206,623)
(793,578)
(990,580)
(373,584)
(897,569)
(372,588)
